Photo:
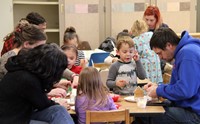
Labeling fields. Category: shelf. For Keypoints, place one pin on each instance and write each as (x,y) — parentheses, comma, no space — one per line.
(52,30)
(36,3)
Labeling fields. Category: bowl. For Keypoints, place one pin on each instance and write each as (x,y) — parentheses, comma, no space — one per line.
(117,105)
(115,97)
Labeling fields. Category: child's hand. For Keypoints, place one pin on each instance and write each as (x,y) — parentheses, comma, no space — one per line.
(136,56)
(83,63)
(114,59)
(121,83)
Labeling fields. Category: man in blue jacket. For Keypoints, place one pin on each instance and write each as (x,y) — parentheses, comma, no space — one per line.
(184,88)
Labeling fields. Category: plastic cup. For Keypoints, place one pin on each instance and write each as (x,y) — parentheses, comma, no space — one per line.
(142,102)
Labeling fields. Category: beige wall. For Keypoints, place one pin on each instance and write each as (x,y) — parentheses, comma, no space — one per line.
(97,29)
(6,21)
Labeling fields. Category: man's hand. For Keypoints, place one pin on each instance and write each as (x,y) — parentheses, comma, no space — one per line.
(150,88)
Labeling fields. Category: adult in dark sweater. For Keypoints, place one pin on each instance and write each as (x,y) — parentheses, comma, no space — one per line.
(31,74)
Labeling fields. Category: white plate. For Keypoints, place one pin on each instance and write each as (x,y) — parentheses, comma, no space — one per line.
(69,102)
(72,108)
(132,99)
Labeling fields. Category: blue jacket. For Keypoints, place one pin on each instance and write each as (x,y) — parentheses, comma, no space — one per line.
(184,87)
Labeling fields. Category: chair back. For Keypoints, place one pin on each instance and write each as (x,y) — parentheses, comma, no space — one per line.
(84,45)
(104,75)
(166,78)
(98,58)
(108,116)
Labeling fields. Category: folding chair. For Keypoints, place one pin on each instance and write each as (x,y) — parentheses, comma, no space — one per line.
(98,58)
(108,116)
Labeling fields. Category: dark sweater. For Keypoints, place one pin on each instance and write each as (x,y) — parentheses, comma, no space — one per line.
(20,94)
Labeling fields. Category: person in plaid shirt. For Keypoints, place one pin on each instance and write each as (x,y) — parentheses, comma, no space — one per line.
(32,18)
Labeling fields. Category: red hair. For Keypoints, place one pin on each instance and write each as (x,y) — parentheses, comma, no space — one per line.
(154,10)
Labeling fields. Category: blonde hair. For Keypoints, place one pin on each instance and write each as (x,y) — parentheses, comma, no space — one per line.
(139,27)
(92,87)
(124,39)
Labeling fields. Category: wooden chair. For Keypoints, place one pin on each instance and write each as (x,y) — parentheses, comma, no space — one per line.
(166,78)
(104,75)
(108,116)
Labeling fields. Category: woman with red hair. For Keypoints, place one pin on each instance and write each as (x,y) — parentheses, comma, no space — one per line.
(153,18)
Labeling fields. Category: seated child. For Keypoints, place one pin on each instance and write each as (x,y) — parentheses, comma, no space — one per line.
(122,76)
(113,57)
(72,53)
(92,94)
(149,59)
(71,38)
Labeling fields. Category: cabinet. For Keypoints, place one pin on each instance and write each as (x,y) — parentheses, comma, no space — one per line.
(49,9)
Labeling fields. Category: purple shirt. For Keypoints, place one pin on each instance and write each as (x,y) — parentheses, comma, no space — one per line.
(81,111)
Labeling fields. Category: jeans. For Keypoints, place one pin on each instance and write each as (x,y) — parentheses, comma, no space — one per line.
(173,115)
(55,114)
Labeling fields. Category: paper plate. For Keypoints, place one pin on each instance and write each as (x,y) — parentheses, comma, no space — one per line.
(70,103)
(72,108)
(132,98)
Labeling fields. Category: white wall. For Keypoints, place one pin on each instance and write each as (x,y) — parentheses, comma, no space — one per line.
(6,21)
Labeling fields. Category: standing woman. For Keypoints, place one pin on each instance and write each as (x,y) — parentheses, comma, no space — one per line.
(153,18)
(31,74)
(71,38)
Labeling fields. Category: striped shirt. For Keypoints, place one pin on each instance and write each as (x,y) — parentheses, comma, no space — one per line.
(80,56)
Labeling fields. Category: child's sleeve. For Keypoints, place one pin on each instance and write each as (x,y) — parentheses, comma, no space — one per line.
(141,73)
(112,74)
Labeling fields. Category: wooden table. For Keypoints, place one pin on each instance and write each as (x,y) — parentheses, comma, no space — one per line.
(136,111)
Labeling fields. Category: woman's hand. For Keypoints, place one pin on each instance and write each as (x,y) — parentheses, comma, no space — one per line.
(63,83)
(57,92)
(75,81)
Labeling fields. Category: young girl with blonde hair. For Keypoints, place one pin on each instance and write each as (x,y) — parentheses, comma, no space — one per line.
(148,57)
(92,94)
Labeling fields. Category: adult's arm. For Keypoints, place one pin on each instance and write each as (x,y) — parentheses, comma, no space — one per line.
(184,83)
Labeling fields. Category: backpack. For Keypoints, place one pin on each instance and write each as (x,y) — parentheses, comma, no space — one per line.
(108,44)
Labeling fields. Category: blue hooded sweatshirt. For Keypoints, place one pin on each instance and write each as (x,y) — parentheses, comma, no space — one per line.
(184,87)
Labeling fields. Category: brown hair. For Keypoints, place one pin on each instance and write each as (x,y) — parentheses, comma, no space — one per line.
(139,27)
(69,34)
(70,47)
(91,85)
(124,39)
(29,33)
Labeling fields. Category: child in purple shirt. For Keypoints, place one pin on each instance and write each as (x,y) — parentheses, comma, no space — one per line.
(92,94)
